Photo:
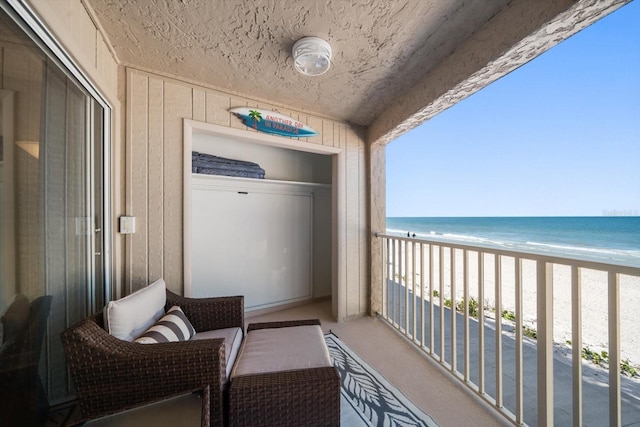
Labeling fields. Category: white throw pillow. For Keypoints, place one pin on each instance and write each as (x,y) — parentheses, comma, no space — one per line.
(128,317)
(173,326)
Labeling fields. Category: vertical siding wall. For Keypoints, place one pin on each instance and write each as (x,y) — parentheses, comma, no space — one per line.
(156,107)
(76,31)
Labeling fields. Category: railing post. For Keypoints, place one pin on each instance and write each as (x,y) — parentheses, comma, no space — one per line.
(422,290)
(576,344)
(454,333)
(431,315)
(480,322)
(614,350)
(441,291)
(465,285)
(406,287)
(544,277)
(385,277)
(394,273)
(519,355)
(413,287)
(498,348)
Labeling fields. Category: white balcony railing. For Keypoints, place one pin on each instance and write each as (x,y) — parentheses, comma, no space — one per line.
(498,320)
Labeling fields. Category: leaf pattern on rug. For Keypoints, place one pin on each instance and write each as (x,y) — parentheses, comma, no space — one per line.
(360,383)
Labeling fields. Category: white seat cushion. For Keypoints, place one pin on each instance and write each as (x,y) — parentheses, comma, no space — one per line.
(282,349)
(129,317)
(232,340)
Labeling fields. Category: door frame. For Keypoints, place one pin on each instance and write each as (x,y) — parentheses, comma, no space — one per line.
(8,216)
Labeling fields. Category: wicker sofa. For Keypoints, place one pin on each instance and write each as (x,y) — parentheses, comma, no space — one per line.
(111,375)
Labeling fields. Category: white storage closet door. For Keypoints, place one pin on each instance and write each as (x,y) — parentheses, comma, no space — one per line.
(256,243)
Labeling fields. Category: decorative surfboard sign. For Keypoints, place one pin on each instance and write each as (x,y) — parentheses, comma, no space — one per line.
(272,122)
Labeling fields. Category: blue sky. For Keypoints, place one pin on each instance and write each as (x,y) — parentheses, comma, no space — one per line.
(560,136)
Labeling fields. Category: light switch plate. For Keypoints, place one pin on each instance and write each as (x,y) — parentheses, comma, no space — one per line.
(127,224)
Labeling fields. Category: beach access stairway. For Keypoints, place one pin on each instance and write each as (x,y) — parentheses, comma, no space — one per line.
(544,340)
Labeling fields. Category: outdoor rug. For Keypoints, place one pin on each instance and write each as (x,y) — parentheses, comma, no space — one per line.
(367,398)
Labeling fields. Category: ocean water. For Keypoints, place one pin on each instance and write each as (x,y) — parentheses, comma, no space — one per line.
(610,239)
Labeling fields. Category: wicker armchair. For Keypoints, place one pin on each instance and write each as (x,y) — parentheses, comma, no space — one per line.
(111,375)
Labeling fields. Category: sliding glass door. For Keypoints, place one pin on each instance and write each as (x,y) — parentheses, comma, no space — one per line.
(51,220)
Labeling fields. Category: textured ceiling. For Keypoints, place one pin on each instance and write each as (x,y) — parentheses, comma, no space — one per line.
(381,47)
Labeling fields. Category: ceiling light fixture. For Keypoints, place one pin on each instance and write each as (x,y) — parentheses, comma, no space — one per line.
(311,56)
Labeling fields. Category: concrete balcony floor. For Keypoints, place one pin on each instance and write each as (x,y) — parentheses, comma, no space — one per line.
(421,380)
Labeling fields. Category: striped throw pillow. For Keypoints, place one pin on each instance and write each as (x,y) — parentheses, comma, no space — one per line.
(173,326)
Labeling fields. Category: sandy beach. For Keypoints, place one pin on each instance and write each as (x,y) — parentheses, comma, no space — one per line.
(594,298)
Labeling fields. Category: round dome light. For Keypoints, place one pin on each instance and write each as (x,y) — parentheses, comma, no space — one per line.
(312,56)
